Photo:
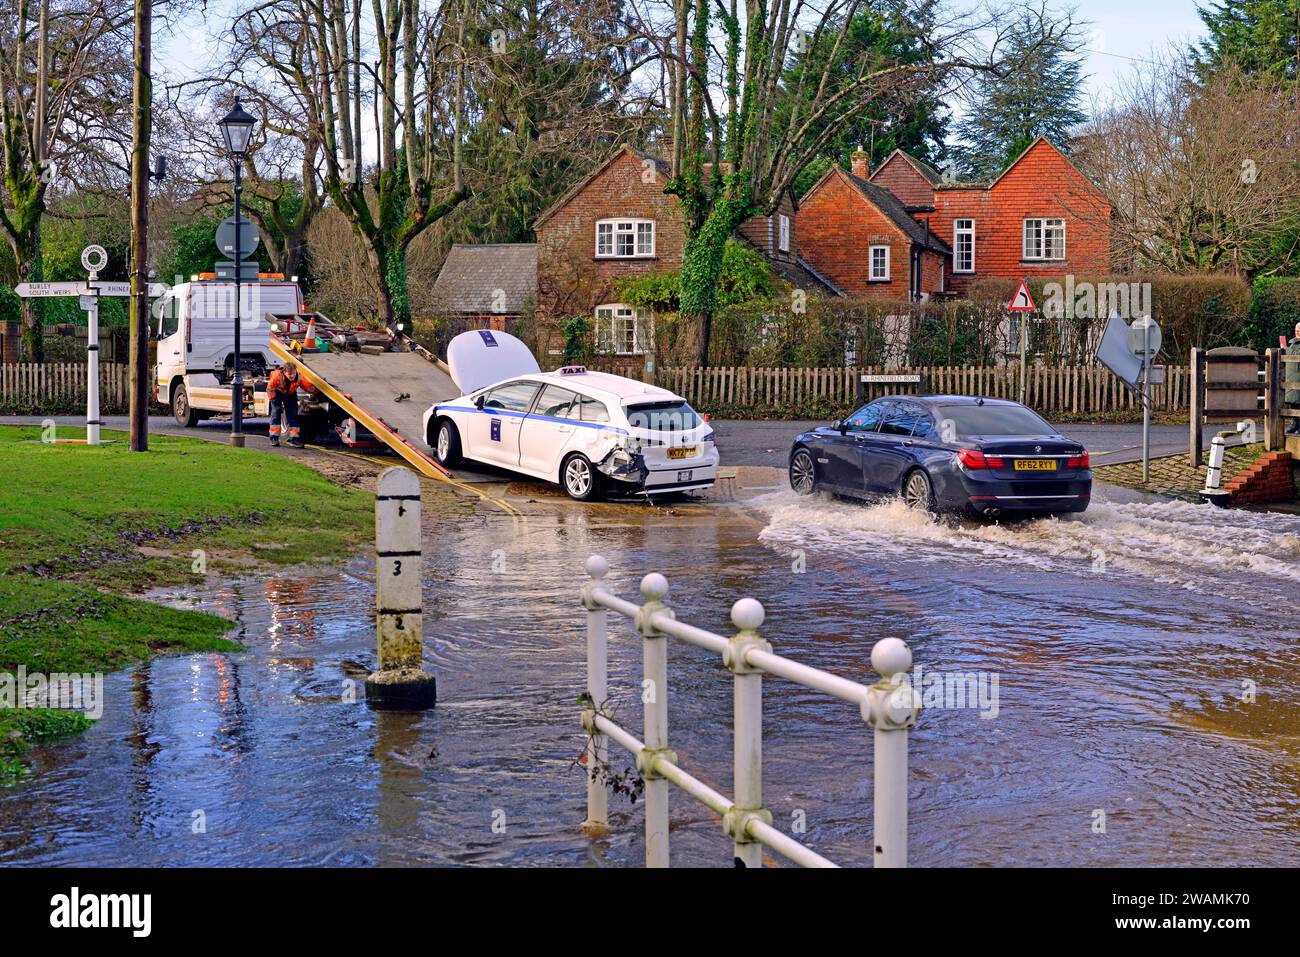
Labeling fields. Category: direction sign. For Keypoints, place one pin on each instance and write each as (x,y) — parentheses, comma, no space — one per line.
(47,290)
(1022,301)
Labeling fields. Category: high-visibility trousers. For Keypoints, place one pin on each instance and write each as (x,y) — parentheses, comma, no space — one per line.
(284,405)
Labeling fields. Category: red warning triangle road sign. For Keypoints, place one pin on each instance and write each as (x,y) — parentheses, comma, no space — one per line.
(1022,301)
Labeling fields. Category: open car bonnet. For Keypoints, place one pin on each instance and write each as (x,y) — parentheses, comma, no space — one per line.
(480,357)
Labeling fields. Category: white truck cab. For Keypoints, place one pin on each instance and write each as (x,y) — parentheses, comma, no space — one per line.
(196,343)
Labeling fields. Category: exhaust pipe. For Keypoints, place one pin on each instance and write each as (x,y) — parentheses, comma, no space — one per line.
(992,512)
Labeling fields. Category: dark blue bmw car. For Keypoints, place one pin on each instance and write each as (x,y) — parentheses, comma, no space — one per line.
(946,453)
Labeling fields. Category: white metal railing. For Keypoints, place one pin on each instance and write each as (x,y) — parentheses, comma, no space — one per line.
(890,706)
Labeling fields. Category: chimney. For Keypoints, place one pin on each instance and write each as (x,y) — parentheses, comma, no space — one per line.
(861,164)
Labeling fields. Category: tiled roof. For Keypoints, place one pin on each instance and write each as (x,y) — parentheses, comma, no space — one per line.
(893,207)
(498,278)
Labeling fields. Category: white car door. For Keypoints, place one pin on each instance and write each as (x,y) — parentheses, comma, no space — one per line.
(547,432)
(494,432)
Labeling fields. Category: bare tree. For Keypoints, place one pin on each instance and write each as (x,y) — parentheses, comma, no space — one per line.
(1202,176)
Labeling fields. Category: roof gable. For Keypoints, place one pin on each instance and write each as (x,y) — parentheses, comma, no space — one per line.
(924,170)
(661,174)
(893,209)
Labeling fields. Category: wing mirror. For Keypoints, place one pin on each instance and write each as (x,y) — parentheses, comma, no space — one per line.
(478,403)
(843,426)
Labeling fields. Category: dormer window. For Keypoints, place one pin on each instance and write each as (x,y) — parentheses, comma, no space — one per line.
(625,238)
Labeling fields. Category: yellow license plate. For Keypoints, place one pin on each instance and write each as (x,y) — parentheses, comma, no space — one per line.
(1035,465)
(682,452)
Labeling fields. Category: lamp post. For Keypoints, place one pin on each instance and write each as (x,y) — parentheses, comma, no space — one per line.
(237,130)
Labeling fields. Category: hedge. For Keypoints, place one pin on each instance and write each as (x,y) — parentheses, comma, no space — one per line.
(1194,310)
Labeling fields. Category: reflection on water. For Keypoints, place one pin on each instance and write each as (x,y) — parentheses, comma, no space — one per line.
(1122,641)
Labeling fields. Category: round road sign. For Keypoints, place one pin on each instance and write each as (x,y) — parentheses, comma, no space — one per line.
(94,258)
(1141,342)
(248,238)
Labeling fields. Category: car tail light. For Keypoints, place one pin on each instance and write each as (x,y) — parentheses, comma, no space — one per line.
(975,459)
(1078,461)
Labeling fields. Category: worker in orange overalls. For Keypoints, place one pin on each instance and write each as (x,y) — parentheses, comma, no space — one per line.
(282,389)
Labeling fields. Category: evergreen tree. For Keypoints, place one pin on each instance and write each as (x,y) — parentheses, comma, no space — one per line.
(1262,36)
(1035,93)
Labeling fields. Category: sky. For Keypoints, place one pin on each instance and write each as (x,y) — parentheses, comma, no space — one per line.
(1125,32)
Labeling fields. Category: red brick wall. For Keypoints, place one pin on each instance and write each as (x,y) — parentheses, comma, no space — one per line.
(901,178)
(1267,479)
(570,279)
(838,227)
(1042,183)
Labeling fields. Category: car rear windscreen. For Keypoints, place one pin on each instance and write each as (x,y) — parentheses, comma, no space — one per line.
(663,416)
(994,420)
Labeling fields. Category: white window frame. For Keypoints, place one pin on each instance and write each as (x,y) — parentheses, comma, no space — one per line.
(871,264)
(624,330)
(1040,236)
(959,231)
(623,227)
(783,233)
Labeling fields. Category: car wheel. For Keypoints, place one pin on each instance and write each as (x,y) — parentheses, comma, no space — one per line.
(918,493)
(803,473)
(181,408)
(446,445)
(579,478)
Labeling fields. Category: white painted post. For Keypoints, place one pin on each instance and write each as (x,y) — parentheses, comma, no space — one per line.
(597,822)
(400,683)
(91,303)
(654,700)
(747,615)
(890,708)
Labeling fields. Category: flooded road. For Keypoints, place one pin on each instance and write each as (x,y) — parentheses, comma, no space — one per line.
(1123,644)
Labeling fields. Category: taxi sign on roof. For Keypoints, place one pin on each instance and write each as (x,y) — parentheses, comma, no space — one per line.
(572,370)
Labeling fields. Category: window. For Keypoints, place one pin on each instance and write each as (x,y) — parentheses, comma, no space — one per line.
(901,419)
(663,416)
(625,238)
(1044,239)
(592,410)
(168,317)
(976,421)
(624,330)
(513,397)
(555,402)
(879,264)
(963,245)
(866,418)
(783,233)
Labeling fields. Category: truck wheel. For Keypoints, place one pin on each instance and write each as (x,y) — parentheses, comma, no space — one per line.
(446,444)
(181,409)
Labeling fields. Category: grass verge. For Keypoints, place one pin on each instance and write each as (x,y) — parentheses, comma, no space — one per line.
(82,529)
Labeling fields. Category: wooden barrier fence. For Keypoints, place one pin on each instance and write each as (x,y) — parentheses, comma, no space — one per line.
(60,387)
(1077,390)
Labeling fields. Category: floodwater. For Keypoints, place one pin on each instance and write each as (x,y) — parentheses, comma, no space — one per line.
(1145,655)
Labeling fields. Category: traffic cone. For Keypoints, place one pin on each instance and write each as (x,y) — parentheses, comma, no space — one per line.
(309,340)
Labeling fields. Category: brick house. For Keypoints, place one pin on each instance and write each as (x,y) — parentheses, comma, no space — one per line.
(617,222)
(1039,217)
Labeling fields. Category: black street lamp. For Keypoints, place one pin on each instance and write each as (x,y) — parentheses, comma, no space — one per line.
(237,130)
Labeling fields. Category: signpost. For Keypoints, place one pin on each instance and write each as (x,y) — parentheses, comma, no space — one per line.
(1144,342)
(1127,350)
(93,258)
(1022,302)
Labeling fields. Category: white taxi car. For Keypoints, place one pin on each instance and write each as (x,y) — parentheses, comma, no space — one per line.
(590,432)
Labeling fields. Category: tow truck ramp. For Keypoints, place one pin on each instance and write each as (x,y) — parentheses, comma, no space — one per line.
(387,392)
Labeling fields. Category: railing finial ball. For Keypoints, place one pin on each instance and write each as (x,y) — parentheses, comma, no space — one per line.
(597,566)
(747,614)
(891,656)
(654,587)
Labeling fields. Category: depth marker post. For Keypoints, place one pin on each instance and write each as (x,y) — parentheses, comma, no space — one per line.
(400,683)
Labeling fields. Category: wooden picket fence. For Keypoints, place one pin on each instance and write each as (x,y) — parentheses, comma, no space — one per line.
(1075,390)
(60,387)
